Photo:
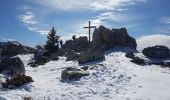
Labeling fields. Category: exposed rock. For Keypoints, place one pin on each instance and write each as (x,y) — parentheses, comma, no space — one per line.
(130,55)
(53,56)
(71,55)
(166,64)
(96,39)
(106,38)
(159,52)
(91,55)
(39,53)
(138,61)
(17,81)
(12,66)
(39,61)
(78,45)
(41,57)
(73,73)
(85,68)
(13,48)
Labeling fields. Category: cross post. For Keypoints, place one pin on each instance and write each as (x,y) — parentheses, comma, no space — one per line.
(89,27)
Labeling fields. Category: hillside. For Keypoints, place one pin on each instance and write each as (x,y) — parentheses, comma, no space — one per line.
(115,78)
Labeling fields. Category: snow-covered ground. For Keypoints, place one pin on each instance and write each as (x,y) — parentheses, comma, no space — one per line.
(118,79)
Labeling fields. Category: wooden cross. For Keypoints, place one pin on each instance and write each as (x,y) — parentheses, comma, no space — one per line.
(89,27)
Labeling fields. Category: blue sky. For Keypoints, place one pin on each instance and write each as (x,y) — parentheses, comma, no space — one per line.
(28,21)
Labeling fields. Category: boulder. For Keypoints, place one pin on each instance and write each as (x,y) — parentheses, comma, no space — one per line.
(73,73)
(71,55)
(138,61)
(39,61)
(130,55)
(91,55)
(104,37)
(12,66)
(159,52)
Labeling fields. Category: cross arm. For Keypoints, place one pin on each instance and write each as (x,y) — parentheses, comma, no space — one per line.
(90,27)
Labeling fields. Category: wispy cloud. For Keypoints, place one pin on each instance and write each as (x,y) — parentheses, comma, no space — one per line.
(152,40)
(105,8)
(41,31)
(31,23)
(110,16)
(86,4)
(165,20)
(28,18)
(8,39)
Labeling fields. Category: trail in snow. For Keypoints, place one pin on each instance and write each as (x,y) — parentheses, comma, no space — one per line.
(118,79)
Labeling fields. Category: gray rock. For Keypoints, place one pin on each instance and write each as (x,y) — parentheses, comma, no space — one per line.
(138,61)
(166,64)
(39,61)
(104,37)
(91,55)
(78,45)
(13,48)
(39,53)
(73,73)
(130,55)
(12,66)
(159,52)
(96,39)
(71,55)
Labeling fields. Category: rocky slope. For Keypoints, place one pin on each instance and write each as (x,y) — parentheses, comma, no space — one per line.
(115,78)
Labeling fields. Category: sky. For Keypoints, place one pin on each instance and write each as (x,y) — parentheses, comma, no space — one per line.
(29,21)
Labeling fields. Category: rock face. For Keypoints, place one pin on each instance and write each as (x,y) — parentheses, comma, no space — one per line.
(106,38)
(12,66)
(13,48)
(71,55)
(91,55)
(78,45)
(159,52)
(73,73)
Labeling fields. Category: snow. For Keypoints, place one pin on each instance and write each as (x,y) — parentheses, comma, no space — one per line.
(117,79)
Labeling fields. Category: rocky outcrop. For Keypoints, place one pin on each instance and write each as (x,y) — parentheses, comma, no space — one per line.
(106,38)
(130,55)
(13,48)
(78,44)
(138,61)
(73,73)
(12,66)
(159,52)
(71,55)
(17,81)
(91,55)
(40,58)
(166,64)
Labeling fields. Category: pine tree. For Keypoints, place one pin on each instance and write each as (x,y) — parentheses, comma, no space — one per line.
(52,44)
